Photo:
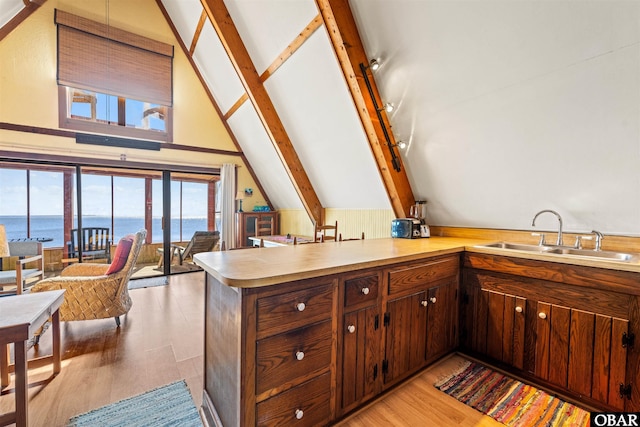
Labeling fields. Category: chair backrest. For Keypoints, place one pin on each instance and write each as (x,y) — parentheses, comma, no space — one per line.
(321,232)
(353,238)
(265,227)
(127,270)
(22,249)
(202,241)
(95,241)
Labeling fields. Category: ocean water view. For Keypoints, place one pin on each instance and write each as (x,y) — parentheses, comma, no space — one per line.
(51,227)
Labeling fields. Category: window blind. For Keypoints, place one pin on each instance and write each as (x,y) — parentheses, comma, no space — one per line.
(101,58)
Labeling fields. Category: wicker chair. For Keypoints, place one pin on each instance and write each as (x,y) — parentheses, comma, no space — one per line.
(91,292)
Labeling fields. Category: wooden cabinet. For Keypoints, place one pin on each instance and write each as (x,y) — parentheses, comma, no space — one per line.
(309,351)
(360,339)
(421,316)
(246,225)
(564,328)
(269,353)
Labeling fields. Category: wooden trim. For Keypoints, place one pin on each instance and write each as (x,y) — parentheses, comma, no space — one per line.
(350,52)
(68,134)
(236,106)
(282,58)
(292,48)
(13,23)
(16,156)
(196,34)
(242,63)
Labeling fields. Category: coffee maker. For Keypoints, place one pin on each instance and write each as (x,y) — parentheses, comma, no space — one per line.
(419,211)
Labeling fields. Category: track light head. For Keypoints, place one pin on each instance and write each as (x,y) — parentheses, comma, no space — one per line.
(374,64)
(388,107)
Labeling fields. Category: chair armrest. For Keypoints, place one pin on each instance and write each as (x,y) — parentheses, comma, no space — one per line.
(24,261)
(74,284)
(86,269)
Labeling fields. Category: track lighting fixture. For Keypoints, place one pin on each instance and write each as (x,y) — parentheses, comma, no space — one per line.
(388,107)
(374,65)
(401,144)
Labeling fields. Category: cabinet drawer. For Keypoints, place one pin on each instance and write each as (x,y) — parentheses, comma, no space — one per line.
(283,358)
(414,277)
(305,405)
(361,290)
(288,311)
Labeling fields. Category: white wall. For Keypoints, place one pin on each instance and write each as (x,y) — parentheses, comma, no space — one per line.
(514,106)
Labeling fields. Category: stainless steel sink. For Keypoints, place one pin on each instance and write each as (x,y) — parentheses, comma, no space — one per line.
(609,255)
(583,253)
(518,247)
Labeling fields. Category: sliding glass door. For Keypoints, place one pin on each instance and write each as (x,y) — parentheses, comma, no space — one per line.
(46,202)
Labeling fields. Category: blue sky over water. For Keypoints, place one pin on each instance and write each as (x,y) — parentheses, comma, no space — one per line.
(47,195)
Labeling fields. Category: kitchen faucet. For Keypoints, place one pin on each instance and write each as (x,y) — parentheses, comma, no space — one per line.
(559,239)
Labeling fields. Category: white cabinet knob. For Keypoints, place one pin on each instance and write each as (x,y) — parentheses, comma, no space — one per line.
(299,355)
(365,291)
(424,303)
(299,414)
(433,300)
(519,309)
(542,315)
(300,306)
(351,329)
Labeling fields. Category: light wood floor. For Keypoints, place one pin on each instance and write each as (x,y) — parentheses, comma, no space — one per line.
(161,341)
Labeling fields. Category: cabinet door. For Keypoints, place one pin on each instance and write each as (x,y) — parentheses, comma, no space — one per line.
(495,325)
(406,335)
(582,352)
(360,353)
(442,319)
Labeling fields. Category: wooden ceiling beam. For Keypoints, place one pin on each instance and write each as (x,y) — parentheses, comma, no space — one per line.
(239,56)
(342,29)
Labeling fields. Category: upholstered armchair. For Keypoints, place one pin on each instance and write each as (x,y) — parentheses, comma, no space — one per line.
(97,291)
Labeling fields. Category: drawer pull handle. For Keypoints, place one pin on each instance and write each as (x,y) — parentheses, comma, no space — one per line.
(300,306)
(424,303)
(351,329)
(299,355)
(542,315)
(299,414)
(365,291)
(519,309)
(433,299)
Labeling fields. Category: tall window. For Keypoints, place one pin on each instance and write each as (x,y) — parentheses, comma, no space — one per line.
(31,204)
(112,81)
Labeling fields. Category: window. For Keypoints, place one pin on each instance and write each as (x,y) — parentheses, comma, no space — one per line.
(112,81)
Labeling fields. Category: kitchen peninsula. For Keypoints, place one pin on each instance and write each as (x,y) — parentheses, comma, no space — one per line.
(311,332)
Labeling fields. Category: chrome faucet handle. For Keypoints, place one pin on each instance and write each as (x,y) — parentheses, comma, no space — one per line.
(541,242)
(579,239)
(599,237)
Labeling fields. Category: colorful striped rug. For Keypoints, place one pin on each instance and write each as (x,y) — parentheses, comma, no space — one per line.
(509,401)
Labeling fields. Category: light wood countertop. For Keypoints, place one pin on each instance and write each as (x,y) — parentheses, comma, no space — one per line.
(248,268)
(256,267)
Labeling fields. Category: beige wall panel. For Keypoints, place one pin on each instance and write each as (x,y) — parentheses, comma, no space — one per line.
(375,223)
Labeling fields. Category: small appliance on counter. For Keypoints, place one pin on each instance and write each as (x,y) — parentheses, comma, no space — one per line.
(413,227)
(405,228)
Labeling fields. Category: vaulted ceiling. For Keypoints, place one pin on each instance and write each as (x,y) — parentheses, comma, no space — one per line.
(287,77)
